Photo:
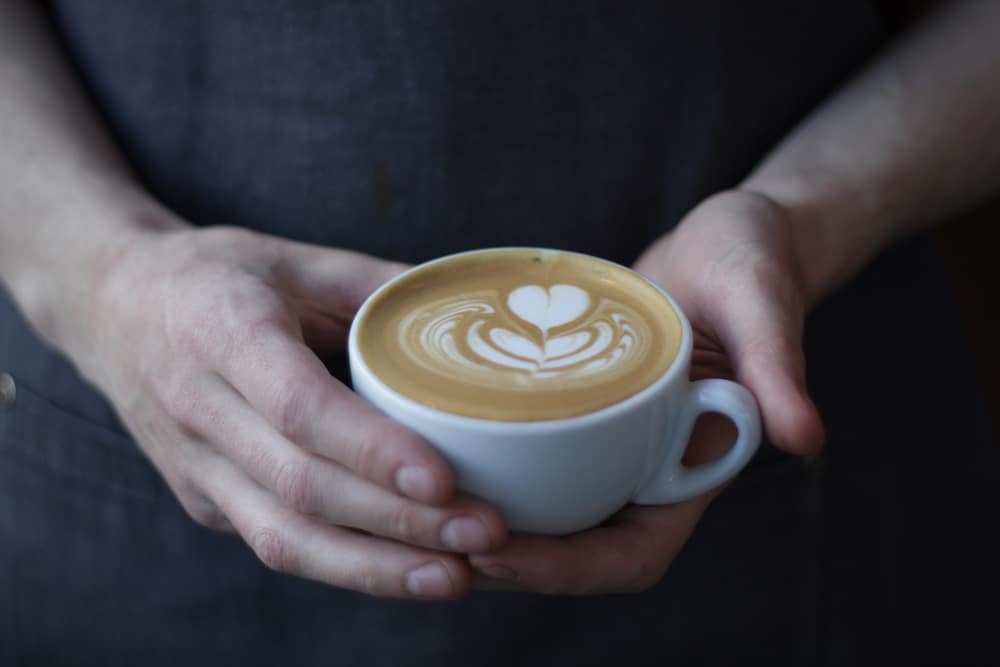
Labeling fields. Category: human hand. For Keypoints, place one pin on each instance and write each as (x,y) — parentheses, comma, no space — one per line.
(203,340)
(734,266)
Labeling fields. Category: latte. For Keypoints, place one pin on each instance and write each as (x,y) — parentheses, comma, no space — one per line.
(519,334)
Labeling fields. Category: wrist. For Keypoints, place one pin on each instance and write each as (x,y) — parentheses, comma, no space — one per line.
(832,236)
(66,262)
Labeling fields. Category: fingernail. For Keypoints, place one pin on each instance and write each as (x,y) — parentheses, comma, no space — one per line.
(497,571)
(416,482)
(430,580)
(465,534)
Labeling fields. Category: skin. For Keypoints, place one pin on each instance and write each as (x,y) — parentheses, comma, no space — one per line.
(213,364)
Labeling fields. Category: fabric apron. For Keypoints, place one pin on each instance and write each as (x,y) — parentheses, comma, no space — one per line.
(413,129)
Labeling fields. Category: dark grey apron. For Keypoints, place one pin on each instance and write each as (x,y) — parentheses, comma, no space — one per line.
(413,129)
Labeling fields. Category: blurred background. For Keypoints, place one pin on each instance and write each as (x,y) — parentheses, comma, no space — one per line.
(972,248)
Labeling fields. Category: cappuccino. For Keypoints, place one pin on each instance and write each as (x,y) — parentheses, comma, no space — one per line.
(519,334)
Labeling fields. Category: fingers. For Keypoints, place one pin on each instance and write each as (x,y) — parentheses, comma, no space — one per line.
(629,554)
(772,371)
(309,484)
(772,365)
(291,543)
(733,266)
(286,383)
(759,322)
(336,281)
(708,359)
(328,287)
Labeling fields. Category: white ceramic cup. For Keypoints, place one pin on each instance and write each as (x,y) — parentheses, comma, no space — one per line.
(564,475)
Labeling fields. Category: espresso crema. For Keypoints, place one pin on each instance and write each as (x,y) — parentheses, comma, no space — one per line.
(519,335)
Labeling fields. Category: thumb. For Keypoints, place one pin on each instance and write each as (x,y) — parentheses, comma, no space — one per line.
(764,342)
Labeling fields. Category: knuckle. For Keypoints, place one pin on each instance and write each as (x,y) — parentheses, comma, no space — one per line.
(378,446)
(405,523)
(288,407)
(369,581)
(260,322)
(238,239)
(192,324)
(204,332)
(367,452)
(196,505)
(273,550)
(186,466)
(189,398)
(180,398)
(293,484)
(206,514)
(221,323)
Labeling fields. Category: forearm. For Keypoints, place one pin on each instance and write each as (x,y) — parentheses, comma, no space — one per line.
(913,139)
(68,202)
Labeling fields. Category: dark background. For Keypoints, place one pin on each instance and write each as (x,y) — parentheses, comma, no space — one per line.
(972,247)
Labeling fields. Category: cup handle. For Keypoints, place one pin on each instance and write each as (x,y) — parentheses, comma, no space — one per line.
(673,481)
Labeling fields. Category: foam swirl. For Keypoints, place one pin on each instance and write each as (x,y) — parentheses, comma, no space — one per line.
(531,335)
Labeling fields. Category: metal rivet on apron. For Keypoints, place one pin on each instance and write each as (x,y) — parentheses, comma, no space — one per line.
(8,391)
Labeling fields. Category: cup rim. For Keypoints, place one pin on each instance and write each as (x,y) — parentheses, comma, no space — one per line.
(677,366)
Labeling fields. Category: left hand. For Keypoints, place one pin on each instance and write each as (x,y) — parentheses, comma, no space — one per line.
(733,265)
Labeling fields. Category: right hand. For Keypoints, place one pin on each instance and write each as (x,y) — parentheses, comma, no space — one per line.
(203,339)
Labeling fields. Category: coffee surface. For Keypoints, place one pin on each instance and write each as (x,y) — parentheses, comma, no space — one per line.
(520,335)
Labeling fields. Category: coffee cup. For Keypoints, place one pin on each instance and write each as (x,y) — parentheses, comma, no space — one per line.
(554,383)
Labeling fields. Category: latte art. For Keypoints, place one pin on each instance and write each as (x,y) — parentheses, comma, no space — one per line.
(518,334)
(533,335)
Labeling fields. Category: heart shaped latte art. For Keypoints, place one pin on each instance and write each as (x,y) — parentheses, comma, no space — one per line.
(548,308)
(532,334)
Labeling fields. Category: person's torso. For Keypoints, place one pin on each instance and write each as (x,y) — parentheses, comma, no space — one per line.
(410,130)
